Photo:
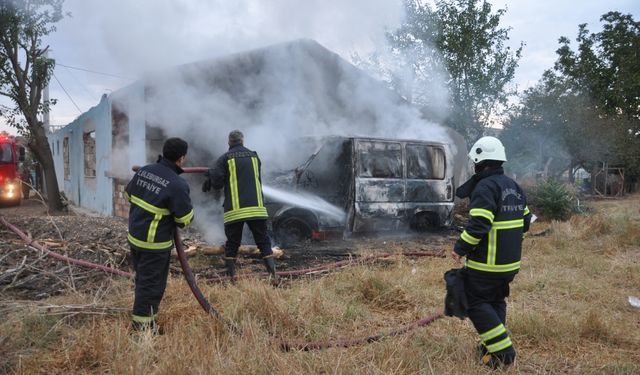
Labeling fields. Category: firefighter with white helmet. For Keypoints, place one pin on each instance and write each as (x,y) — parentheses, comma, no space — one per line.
(487,148)
(491,244)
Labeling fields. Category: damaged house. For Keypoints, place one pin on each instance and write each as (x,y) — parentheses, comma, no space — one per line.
(288,99)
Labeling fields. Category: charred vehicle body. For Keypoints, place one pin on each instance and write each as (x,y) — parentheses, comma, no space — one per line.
(371,184)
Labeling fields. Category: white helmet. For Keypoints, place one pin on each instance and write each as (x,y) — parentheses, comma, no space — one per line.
(487,148)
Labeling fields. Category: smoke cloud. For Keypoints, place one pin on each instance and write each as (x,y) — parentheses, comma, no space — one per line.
(273,94)
(143,34)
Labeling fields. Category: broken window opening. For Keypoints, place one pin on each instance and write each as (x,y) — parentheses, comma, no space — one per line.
(65,157)
(425,162)
(119,142)
(155,137)
(380,160)
(89,140)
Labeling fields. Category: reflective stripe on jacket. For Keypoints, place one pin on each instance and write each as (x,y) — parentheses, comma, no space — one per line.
(238,171)
(492,238)
(159,202)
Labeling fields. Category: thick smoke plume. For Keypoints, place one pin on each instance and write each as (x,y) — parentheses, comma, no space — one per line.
(277,95)
(274,94)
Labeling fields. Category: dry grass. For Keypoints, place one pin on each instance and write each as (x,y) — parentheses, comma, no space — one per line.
(568,313)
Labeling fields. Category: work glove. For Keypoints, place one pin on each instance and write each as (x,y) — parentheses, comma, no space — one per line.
(206,185)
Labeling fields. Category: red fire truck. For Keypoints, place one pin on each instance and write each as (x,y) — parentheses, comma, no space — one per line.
(10,184)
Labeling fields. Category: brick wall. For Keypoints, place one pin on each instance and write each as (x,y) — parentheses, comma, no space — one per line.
(120,203)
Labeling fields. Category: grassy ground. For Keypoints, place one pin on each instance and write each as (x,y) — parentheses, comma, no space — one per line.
(568,313)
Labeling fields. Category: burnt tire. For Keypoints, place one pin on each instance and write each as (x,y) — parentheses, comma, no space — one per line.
(292,230)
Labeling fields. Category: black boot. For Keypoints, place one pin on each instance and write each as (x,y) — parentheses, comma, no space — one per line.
(270,264)
(499,359)
(230,265)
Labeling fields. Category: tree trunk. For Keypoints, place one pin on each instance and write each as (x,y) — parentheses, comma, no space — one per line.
(572,178)
(39,145)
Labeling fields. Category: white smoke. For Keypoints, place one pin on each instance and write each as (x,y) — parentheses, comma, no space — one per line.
(144,34)
(274,96)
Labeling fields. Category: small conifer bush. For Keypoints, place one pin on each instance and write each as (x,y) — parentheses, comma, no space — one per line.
(553,200)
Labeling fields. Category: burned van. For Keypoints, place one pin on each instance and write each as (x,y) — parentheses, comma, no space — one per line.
(351,184)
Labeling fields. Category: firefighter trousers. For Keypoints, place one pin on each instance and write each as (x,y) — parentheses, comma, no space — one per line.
(152,270)
(234,237)
(488,313)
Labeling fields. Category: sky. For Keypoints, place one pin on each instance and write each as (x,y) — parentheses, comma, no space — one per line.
(105,45)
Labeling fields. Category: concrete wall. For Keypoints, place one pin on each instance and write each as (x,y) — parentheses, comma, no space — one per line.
(91,192)
(103,192)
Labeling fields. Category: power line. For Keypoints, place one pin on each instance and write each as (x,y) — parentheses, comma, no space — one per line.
(92,95)
(69,96)
(95,72)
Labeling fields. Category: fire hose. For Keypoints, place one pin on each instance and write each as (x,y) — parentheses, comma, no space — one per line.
(184,170)
(287,346)
(208,308)
(372,258)
(204,303)
(345,343)
(202,300)
(186,270)
(34,244)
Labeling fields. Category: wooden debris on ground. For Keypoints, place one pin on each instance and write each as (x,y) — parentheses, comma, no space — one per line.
(205,249)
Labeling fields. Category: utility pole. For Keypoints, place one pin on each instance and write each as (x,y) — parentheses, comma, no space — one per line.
(45,100)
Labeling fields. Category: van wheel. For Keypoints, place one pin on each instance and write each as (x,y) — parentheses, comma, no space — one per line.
(425,222)
(292,230)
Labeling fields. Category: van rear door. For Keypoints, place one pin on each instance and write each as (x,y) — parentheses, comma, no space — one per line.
(379,185)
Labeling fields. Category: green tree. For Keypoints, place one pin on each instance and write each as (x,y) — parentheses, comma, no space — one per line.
(479,63)
(24,72)
(606,70)
(588,105)
(463,38)
(606,65)
(554,130)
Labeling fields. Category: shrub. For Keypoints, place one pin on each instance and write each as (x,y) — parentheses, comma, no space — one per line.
(553,200)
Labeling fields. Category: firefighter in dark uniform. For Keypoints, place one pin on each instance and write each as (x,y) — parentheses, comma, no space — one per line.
(238,172)
(159,203)
(492,245)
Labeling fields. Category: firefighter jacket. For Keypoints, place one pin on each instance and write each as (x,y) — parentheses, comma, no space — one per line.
(159,202)
(499,217)
(238,171)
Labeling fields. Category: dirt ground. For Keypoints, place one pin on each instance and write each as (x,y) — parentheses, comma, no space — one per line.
(26,273)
